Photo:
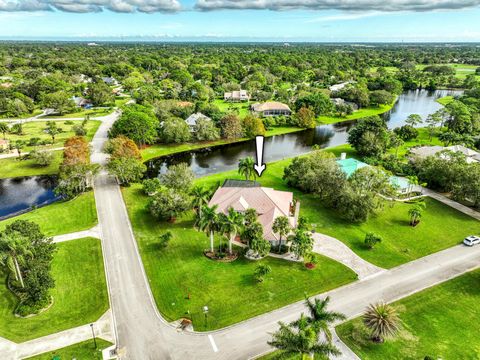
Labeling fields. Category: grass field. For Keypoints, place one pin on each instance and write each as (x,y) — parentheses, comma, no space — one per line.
(445,100)
(80,294)
(15,167)
(440,322)
(62,217)
(370,111)
(82,351)
(242,108)
(155,151)
(36,129)
(423,139)
(183,280)
(441,226)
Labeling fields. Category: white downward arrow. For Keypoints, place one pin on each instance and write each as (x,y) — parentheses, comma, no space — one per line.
(260,166)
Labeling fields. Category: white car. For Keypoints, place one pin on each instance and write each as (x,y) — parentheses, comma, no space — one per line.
(472,240)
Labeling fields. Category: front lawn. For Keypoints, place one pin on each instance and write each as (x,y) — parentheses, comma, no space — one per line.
(441,226)
(183,280)
(80,294)
(242,108)
(62,217)
(370,111)
(440,322)
(81,351)
(15,167)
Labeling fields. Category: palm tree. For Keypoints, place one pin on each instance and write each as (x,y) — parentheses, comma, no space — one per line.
(208,222)
(382,320)
(231,224)
(414,119)
(52,130)
(320,317)
(281,226)
(301,339)
(13,254)
(3,129)
(201,197)
(246,168)
(261,271)
(416,213)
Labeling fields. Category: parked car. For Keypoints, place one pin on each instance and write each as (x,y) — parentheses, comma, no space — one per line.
(472,240)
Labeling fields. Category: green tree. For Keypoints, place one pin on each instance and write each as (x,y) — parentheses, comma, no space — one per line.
(60,101)
(318,102)
(126,169)
(261,270)
(415,213)
(253,126)
(168,204)
(175,130)
(53,130)
(414,120)
(281,226)
(179,177)
(231,127)
(382,320)
(208,222)
(246,168)
(305,118)
(381,97)
(136,125)
(302,243)
(231,224)
(4,129)
(100,93)
(41,158)
(205,130)
(370,136)
(371,240)
(14,252)
(200,198)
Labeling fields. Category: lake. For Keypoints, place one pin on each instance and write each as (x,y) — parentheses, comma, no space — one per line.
(225,157)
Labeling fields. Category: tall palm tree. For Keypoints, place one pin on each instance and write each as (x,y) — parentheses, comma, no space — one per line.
(208,222)
(320,317)
(301,339)
(231,225)
(13,254)
(246,168)
(281,226)
(382,320)
(415,214)
(3,129)
(201,197)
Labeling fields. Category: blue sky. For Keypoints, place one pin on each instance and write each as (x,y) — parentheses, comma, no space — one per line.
(242,20)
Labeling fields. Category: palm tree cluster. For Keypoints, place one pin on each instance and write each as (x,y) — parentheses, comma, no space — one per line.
(303,336)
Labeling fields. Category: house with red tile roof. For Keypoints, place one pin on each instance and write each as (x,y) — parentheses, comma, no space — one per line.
(268,203)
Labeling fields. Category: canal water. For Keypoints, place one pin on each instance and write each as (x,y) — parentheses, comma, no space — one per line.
(225,157)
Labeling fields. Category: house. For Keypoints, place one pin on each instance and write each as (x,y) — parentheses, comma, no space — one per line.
(82,102)
(236,96)
(4,145)
(338,87)
(193,119)
(110,81)
(423,152)
(342,102)
(268,203)
(271,108)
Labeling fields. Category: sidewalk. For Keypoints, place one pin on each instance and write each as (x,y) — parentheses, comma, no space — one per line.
(93,232)
(15,153)
(443,199)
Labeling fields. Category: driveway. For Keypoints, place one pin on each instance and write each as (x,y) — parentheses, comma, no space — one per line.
(337,250)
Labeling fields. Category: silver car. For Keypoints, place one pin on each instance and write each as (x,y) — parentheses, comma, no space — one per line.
(472,240)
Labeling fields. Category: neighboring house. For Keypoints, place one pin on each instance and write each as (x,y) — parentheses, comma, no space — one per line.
(6,85)
(271,108)
(193,119)
(340,101)
(110,81)
(4,145)
(338,87)
(423,152)
(236,96)
(268,203)
(82,102)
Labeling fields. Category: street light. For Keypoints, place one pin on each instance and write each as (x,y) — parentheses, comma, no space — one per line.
(93,334)
(205,311)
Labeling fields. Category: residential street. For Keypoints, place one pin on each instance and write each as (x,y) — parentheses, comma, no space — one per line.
(142,334)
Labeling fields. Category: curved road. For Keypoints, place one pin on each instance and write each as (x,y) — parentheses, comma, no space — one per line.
(142,333)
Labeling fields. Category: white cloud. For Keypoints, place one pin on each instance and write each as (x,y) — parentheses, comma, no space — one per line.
(346,5)
(346,16)
(85,6)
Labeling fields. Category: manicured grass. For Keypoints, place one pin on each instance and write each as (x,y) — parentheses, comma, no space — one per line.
(80,294)
(81,351)
(445,100)
(62,217)
(36,129)
(440,322)
(423,139)
(370,111)
(441,226)
(241,107)
(183,280)
(15,167)
(158,150)
(95,112)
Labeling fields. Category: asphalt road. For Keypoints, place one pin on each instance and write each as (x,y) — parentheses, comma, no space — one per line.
(142,334)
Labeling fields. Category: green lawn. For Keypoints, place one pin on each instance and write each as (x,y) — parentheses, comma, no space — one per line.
(35,129)
(15,167)
(370,111)
(241,107)
(228,289)
(423,139)
(62,217)
(445,100)
(441,226)
(95,112)
(81,351)
(80,294)
(158,150)
(441,322)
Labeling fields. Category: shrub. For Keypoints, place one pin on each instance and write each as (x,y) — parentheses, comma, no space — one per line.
(406,132)
(371,240)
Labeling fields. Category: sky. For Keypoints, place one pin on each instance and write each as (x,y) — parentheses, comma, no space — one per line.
(242,20)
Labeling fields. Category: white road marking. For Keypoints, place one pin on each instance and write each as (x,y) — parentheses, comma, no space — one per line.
(212,342)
